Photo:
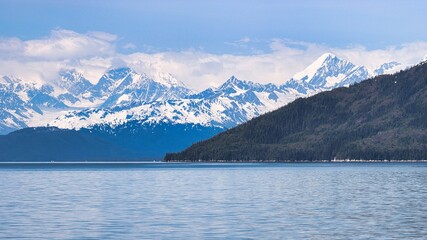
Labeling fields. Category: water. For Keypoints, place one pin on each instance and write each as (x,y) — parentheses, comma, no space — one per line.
(225,201)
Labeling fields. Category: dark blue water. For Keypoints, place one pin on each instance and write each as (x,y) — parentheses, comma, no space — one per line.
(203,201)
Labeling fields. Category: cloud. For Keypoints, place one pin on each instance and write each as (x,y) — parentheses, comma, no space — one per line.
(60,45)
(201,69)
(108,37)
(39,60)
(65,44)
(243,42)
(208,68)
(129,46)
(408,54)
(10,47)
(92,53)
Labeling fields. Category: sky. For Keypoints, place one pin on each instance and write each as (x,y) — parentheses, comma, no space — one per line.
(202,43)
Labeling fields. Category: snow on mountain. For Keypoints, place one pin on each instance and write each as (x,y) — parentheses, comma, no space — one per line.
(12,109)
(122,95)
(328,72)
(178,88)
(31,93)
(123,85)
(232,103)
(75,88)
(388,68)
(18,103)
(74,82)
(111,80)
(168,80)
(38,104)
(24,104)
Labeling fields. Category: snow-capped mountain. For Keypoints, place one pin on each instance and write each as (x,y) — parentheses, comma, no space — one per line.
(388,68)
(12,107)
(75,88)
(20,102)
(122,95)
(124,86)
(328,72)
(232,103)
(26,104)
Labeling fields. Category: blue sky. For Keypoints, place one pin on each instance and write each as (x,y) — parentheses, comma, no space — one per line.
(203,43)
(211,25)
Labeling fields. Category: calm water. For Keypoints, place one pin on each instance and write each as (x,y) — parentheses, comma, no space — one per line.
(226,201)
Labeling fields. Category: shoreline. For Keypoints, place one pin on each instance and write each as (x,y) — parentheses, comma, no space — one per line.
(211,161)
(292,161)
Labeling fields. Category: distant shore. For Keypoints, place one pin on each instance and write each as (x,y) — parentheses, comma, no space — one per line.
(290,161)
(209,161)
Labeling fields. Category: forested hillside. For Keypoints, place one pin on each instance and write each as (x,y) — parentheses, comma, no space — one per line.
(380,118)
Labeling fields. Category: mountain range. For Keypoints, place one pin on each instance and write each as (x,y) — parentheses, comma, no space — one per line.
(122,95)
(150,108)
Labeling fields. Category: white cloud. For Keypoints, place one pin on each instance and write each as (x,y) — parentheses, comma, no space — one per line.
(39,60)
(129,46)
(92,53)
(59,45)
(108,37)
(240,43)
(65,44)
(10,47)
(408,54)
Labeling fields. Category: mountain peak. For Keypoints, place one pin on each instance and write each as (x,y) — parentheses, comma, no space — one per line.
(235,83)
(118,73)
(329,71)
(233,78)
(322,61)
(388,68)
(327,56)
(168,80)
(70,75)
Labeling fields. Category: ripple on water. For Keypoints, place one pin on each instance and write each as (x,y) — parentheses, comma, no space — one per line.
(275,201)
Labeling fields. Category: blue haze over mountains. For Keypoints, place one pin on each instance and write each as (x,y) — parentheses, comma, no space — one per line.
(155,112)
